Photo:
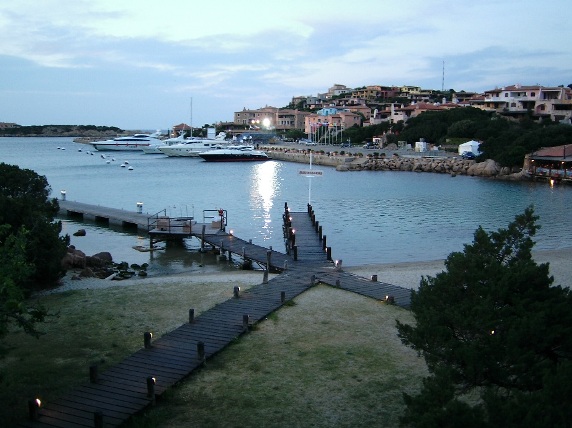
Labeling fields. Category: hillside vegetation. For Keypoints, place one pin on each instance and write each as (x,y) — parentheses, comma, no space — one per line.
(506,141)
(60,131)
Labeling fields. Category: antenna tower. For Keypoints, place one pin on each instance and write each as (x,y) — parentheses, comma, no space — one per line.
(443,79)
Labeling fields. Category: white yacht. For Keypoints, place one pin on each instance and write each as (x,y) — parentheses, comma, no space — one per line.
(134,142)
(192,147)
(153,149)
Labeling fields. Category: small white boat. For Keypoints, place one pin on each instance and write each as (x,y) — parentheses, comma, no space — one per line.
(240,153)
(134,142)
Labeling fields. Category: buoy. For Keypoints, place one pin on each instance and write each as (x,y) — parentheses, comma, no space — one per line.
(126,163)
(122,165)
(130,168)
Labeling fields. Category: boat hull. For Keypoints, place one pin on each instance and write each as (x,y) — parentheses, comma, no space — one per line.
(119,147)
(246,157)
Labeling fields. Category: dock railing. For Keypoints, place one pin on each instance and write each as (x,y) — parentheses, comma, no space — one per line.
(216,216)
(161,222)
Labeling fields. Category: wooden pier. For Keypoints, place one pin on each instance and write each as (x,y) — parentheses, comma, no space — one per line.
(110,398)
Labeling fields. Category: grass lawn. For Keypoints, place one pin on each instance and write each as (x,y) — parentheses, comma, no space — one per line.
(330,359)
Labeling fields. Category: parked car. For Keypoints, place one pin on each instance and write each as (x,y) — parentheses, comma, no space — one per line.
(310,143)
(468,155)
(370,146)
(346,145)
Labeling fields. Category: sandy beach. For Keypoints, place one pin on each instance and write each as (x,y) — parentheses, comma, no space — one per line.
(407,274)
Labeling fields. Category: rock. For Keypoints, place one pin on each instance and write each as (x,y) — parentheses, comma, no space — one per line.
(99,260)
(67,261)
(488,168)
(73,259)
(80,232)
(86,273)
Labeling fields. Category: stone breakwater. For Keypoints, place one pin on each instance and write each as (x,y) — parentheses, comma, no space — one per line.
(443,165)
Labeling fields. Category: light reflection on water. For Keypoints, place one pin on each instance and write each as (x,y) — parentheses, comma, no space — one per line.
(262,194)
(368,217)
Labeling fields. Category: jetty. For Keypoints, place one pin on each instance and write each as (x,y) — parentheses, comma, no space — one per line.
(111,397)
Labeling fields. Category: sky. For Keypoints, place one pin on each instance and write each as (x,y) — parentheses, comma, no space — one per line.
(148,64)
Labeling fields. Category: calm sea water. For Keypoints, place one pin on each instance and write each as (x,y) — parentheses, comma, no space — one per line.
(368,217)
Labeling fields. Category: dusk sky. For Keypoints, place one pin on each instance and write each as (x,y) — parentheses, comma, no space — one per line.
(138,64)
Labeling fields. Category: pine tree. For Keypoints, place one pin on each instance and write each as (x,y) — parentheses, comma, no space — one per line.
(496,336)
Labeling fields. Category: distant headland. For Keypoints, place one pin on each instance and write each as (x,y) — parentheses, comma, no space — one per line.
(90,131)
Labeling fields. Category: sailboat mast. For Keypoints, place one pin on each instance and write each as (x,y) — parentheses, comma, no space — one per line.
(191,117)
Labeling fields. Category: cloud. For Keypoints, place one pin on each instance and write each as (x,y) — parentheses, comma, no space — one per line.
(252,53)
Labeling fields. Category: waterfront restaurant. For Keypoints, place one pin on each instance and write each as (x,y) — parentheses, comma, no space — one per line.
(551,163)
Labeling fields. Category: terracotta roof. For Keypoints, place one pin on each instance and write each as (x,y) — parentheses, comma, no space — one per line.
(554,152)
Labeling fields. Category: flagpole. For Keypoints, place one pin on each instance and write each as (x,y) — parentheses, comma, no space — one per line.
(310,181)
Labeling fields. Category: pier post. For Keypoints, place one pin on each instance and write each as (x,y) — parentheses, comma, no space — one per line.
(93,374)
(236,291)
(329,253)
(201,351)
(317,225)
(374,278)
(98,419)
(324,243)
(268,259)
(245,319)
(191,315)
(295,248)
(203,238)
(33,406)
(265,276)
(282,296)
(147,336)
(151,388)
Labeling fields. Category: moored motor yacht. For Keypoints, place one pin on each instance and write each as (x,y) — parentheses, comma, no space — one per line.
(134,142)
(234,154)
(193,146)
(153,149)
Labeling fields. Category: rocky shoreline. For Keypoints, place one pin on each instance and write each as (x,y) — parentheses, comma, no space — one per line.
(451,165)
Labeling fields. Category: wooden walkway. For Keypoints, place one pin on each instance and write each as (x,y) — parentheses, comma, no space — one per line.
(112,397)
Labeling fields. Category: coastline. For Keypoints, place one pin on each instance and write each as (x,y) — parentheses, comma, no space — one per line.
(408,274)
(404,274)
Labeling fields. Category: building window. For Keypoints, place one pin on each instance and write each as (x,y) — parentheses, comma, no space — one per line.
(533,94)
